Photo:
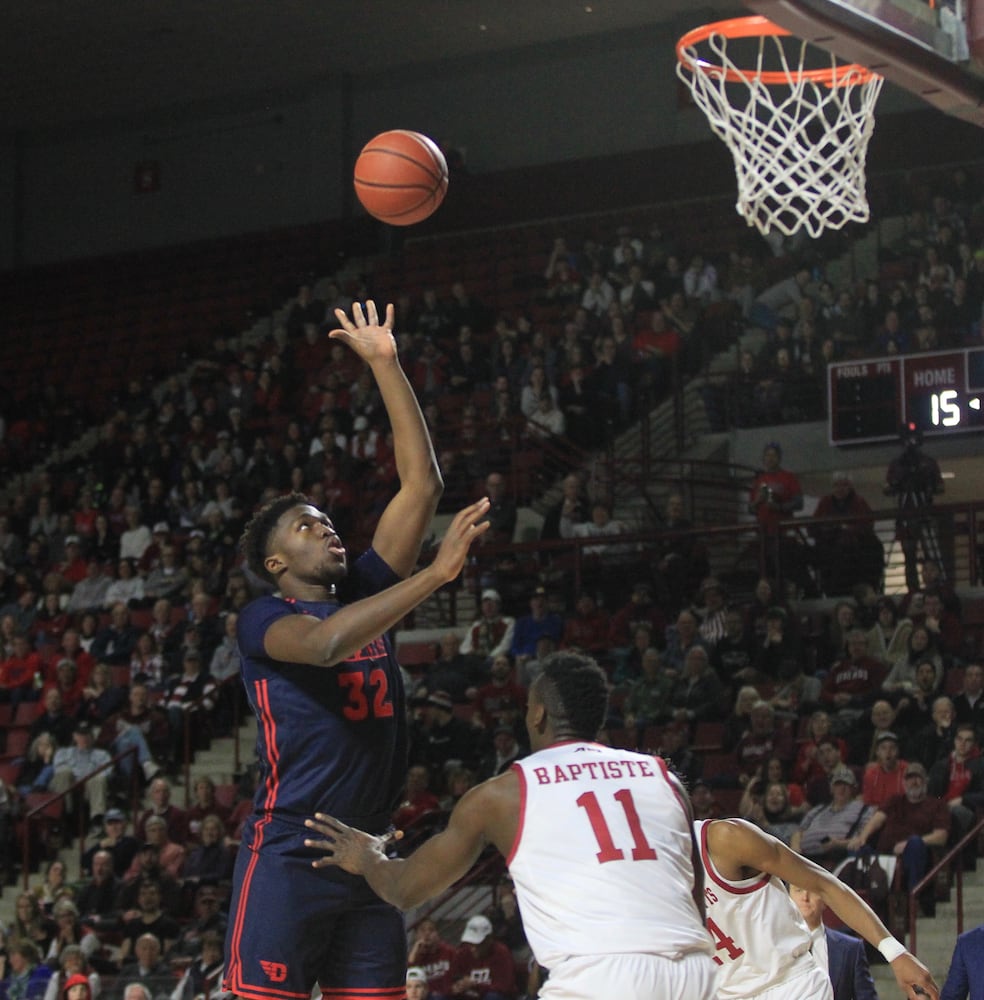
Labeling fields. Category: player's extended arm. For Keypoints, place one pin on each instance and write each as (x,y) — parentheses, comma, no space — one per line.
(481,817)
(407,517)
(306,639)
(736,842)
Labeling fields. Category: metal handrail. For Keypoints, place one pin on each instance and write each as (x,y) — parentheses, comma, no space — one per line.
(485,868)
(928,878)
(37,811)
(186,745)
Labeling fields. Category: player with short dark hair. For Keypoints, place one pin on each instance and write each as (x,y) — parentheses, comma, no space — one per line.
(323,681)
(592,836)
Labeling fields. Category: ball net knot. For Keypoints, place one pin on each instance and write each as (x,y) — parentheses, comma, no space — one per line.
(797,123)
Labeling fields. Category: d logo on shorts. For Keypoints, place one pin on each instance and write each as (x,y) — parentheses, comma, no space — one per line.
(276,972)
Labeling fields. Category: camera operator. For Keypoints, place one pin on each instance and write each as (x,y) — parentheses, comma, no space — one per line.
(915,479)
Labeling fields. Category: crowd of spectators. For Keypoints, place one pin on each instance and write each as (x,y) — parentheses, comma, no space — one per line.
(927,295)
(120,580)
(856,732)
(146,918)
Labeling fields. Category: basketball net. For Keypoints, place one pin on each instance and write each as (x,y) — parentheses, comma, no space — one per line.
(798,135)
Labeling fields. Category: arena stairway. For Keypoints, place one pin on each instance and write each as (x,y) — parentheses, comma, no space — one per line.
(217,763)
(935,936)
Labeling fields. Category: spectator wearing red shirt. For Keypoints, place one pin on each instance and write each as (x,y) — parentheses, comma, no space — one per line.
(51,622)
(74,567)
(339,497)
(587,629)
(311,353)
(655,346)
(884,777)
(17,672)
(71,649)
(808,767)
(418,801)
(776,494)
(68,683)
(429,372)
(85,514)
(433,954)
(763,739)
(908,826)
(482,968)
(854,681)
(640,607)
(502,700)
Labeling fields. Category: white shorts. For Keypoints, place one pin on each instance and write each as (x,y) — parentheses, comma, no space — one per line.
(632,977)
(812,983)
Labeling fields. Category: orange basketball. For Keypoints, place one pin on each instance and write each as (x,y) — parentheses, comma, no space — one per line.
(401,177)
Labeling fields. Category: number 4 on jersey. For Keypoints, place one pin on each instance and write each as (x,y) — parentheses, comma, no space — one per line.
(723,943)
(641,850)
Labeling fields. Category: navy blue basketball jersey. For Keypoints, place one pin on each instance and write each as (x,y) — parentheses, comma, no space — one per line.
(329,739)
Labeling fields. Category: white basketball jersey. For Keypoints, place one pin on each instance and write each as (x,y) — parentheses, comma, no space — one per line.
(759,936)
(602,860)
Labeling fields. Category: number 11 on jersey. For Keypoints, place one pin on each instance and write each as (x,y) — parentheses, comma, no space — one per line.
(641,851)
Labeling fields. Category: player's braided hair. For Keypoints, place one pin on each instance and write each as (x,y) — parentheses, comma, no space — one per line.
(256,534)
(575,693)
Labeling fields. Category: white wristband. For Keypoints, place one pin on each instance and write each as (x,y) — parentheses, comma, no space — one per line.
(891,949)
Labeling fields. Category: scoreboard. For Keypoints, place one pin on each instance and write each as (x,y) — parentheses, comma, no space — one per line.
(940,393)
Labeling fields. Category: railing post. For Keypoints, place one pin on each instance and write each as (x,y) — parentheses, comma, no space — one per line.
(953,854)
(186,763)
(679,429)
(36,813)
(236,723)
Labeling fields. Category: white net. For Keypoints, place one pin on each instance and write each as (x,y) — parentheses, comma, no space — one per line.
(798,136)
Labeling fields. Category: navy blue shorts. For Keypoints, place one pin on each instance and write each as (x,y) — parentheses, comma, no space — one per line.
(291,926)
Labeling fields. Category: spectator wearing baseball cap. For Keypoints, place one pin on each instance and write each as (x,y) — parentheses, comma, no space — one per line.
(505,749)
(481,959)
(492,632)
(909,826)
(825,832)
(73,568)
(122,848)
(443,741)
(417,986)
